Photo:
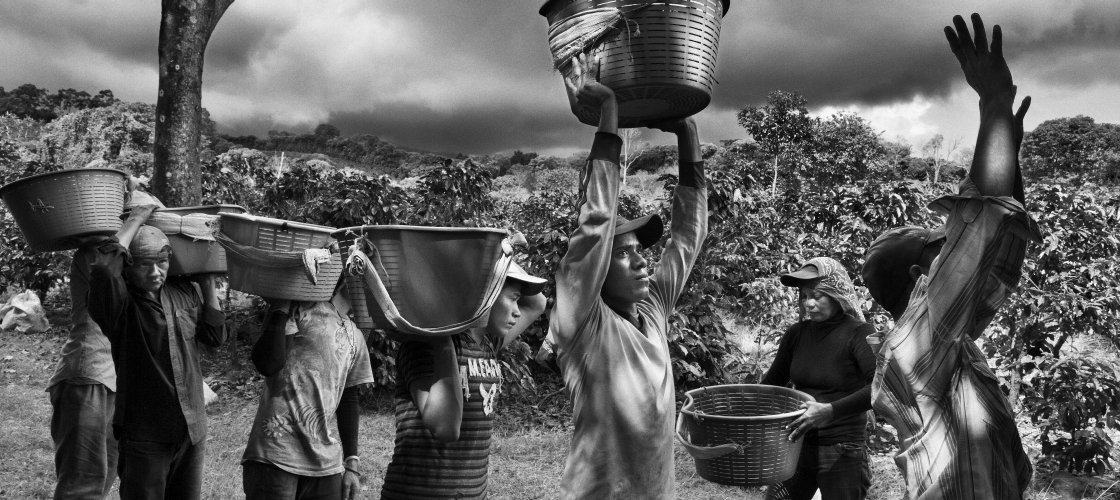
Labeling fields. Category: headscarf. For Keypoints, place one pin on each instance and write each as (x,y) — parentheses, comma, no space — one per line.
(149,242)
(831,279)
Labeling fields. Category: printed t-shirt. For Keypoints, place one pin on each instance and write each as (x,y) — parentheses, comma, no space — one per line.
(957,432)
(295,426)
(618,376)
(424,467)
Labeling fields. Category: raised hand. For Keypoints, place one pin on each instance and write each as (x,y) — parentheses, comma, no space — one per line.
(585,93)
(985,68)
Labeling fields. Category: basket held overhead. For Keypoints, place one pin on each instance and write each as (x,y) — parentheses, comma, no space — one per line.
(191,230)
(280,259)
(427,281)
(659,57)
(55,209)
(736,433)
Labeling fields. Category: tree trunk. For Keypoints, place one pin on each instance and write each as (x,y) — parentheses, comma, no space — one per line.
(184,30)
(774,183)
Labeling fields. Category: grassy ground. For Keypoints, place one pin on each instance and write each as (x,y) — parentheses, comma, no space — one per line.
(526,459)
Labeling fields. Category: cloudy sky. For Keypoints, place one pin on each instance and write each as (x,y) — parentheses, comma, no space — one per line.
(475,76)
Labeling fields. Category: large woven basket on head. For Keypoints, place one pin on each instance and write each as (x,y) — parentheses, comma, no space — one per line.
(55,209)
(277,258)
(426,281)
(659,57)
(736,433)
(190,230)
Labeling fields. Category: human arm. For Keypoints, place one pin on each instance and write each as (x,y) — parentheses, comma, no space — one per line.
(107,293)
(347,418)
(689,224)
(778,373)
(270,352)
(995,166)
(531,306)
(582,270)
(431,370)
(210,328)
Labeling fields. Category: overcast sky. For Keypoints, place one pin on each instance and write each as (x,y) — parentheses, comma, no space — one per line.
(475,76)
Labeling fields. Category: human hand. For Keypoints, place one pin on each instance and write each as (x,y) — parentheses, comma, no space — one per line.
(583,87)
(351,484)
(816,414)
(984,67)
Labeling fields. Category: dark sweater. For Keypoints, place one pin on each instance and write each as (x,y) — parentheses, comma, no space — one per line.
(832,362)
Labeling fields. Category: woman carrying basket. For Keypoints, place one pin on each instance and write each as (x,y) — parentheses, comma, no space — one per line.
(827,356)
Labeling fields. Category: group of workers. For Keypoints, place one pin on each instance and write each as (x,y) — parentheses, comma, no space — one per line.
(128,393)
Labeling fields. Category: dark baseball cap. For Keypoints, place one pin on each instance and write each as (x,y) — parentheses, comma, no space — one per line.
(648,228)
(887,261)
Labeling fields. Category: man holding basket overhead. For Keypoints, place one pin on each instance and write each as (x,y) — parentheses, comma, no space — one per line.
(610,320)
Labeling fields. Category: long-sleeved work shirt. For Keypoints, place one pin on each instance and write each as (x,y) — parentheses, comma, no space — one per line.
(620,376)
(154,341)
(957,433)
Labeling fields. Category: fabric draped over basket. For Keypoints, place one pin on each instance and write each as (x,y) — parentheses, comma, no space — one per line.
(309,260)
(194,226)
(378,284)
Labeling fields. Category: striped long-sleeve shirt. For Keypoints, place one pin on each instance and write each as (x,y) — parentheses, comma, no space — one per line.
(424,467)
(957,433)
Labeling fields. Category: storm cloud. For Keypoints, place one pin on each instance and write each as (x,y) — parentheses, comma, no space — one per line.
(476,77)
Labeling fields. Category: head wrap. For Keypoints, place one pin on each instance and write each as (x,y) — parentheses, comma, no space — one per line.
(149,242)
(829,277)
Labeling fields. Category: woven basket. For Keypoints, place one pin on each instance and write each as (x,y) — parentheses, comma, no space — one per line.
(55,209)
(426,281)
(195,256)
(736,433)
(661,64)
(276,235)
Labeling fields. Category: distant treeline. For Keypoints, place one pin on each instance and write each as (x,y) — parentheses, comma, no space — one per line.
(30,101)
(364,149)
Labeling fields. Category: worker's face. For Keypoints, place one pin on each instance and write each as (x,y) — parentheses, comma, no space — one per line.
(148,273)
(818,306)
(505,312)
(628,275)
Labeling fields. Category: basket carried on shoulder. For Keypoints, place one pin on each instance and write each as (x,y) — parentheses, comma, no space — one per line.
(54,209)
(659,57)
(280,259)
(736,432)
(190,231)
(425,281)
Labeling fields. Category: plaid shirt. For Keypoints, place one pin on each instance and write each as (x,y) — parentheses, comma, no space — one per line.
(957,432)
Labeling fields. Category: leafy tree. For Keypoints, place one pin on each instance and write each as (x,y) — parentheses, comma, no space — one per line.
(780,127)
(520,158)
(1071,148)
(327,130)
(184,31)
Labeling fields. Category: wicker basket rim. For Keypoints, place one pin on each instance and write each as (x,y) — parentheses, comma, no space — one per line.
(687,408)
(280,222)
(17,182)
(544,10)
(196,208)
(354,230)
